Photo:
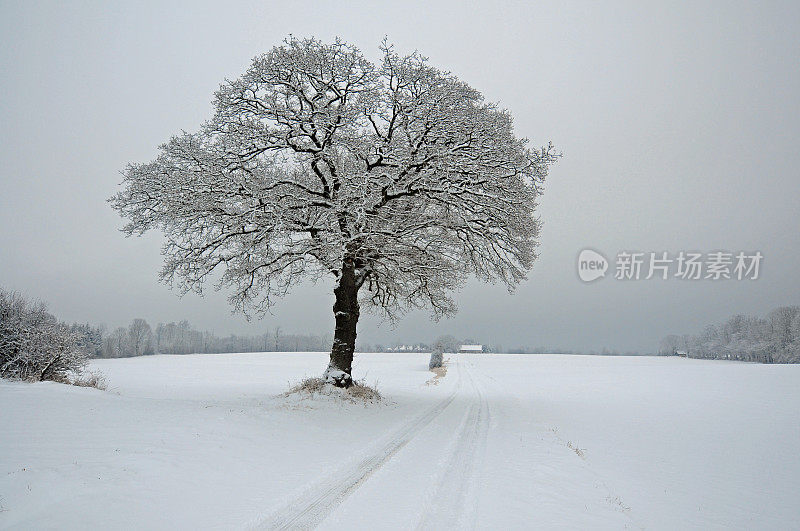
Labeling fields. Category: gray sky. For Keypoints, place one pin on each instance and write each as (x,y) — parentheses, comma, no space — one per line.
(679,126)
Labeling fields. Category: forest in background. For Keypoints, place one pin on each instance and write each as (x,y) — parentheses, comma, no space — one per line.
(26,324)
(771,339)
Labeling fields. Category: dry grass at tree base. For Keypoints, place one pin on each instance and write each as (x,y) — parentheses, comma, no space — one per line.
(91,379)
(359,392)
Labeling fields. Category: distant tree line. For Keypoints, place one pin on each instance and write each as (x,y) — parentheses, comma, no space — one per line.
(772,339)
(139,339)
(34,344)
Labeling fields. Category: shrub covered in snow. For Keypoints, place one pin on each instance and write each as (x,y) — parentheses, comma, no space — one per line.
(437,358)
(440,346)
(34,345)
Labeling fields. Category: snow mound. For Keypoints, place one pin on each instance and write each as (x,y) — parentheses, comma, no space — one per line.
(315,388)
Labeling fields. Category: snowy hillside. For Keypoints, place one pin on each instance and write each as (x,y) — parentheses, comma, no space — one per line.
(501,441)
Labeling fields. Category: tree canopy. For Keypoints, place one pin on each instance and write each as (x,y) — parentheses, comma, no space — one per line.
(315,154)
(397,178)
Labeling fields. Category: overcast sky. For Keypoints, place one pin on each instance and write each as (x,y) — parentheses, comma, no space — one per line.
(679,126)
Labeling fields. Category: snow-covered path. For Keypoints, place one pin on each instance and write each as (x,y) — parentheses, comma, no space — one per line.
(316,501)
(501,441)
(479,464)
(444,502)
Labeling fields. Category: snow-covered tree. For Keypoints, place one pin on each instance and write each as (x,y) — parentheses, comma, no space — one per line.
(775,339)
(447,343)
(669,345)
(140,337)
(399,180)
(90,338)
(119,344)
(33,344)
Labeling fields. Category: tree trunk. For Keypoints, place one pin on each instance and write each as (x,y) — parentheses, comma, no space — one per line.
(345,311)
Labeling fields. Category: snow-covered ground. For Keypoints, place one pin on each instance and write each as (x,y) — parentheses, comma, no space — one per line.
(501,442)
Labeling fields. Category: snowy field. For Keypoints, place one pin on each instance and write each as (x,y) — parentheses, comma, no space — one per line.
(500,442)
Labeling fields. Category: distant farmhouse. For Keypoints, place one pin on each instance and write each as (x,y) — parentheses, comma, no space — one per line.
(470,349)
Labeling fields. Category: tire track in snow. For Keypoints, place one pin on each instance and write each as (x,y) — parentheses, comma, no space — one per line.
(322,497)
(452,502)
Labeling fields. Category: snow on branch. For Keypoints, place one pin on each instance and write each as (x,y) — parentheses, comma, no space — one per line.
(315,155)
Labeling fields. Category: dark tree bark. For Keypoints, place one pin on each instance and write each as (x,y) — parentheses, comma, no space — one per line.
(345,311)
(48,371)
